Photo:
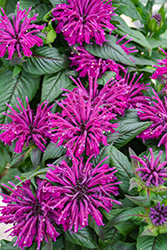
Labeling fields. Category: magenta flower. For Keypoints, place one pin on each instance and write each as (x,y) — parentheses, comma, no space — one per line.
(31,213)
(157,113)
(18,35)
(128,50)
(82,20)
(158,214)
(92,66)
(82,189)
(113,96)
(26,127)
(135,91)
(160,71)
(152,172)
(82,125)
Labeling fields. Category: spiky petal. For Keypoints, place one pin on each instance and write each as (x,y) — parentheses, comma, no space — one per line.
(81,125)
(82,20)
(158,214)
(19,34)
(31,213)
(82,189)
(152,172)
(26,127)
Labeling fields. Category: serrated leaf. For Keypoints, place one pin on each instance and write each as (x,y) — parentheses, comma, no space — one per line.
(45,60)
(151,242)
(19,86)
(106,76)
(53,152)
(123,166)
(82,238)
(129,127)
(134,214)
(109,50)
(52,84)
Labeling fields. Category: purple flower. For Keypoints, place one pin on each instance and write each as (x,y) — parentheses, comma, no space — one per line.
(160,71)
(92,66)
(158,214)
(157,113)
(113,95)
(135,91)
(30,212)
(18,34)
(26,127)
(81,125)
(128,50)
(82,189)
(152,172)
(82,20)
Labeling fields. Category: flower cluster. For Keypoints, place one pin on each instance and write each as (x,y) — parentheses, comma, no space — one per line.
(80,190)
(89,65)
(18,34)
(82,20)
(30,212)
(158,214)
(26,127)
(81,125)
(155,111)
(151,172)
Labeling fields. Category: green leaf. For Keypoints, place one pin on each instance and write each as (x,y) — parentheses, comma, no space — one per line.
(35,156)
(125,227)
(122,246)
(37,8)
(52,84)
(56,2)
(3,3)
(10,6)
(10,175)
(45,60)
(20,86)
(137,36)
(17,70)
(109,50)
(52,152)
(82,238)
(59,244)
(5,157)
(129,127)
(108,75)
(131,10)
(134,214)
(142,61)
(8,245)
(123,166)
(151,242)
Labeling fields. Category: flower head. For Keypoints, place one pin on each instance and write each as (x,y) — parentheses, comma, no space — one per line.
(161,71)
(157,113)
(19,34)
(151,172)
(82,189)
(158,214)
(82,20)
(92,66)
(81,125)
(31,213)
(26,127)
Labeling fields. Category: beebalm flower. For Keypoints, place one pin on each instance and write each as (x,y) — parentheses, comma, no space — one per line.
(82,189)
(82,20)
(89,65)
(18,34)
(113,96)
(27,128)
(157,113)
(158,214)
(128,50)
(152,172)
(81,125)
(31,213)
(160,71)
(135,91)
